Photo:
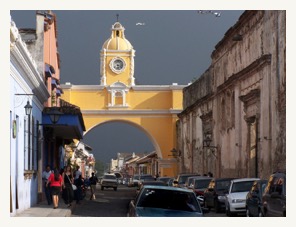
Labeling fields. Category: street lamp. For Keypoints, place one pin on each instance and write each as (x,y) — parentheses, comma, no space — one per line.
(28,108)
(175,153)
(207,142)
(54,115)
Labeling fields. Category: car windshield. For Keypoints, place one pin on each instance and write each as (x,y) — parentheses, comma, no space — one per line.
(109,177)
(243,186)
(190,180)
(147,178)
(182,179)
(144,177)
(164,179)
(168,199)
(222,185)
(202,183)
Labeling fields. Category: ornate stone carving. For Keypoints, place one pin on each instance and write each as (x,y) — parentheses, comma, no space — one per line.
(251,103)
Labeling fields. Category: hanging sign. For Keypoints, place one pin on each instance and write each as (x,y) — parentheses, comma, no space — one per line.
(14,129)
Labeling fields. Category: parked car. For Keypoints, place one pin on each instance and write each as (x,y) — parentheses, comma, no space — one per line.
(274,196)
(150,182)
(109,181)
(199,185)
(236,198)
(164,201)
(145,177)
(165,179)
(189,180)
(254,206)
(214,194)
(137,179)
(181,179)
(171,182)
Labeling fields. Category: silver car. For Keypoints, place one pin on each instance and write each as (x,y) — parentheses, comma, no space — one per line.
(109,181)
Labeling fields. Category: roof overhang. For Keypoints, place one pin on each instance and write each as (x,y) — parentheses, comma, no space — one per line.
(69,126)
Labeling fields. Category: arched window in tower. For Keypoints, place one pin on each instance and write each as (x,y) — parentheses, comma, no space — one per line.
(117,33)
(118,98)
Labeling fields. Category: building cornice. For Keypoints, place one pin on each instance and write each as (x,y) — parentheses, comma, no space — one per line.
(254,66)
(157,87)
(82,87)
(135,88)
(131,112)
(25,65)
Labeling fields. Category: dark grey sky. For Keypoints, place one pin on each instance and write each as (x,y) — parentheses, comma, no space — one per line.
(174,46)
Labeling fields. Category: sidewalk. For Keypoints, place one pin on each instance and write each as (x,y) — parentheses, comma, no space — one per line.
(44,210)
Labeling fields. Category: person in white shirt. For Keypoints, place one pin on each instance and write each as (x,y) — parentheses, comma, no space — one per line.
(45,175)
(77,173)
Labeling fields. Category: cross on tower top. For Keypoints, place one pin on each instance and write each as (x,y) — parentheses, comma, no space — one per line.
(117,16)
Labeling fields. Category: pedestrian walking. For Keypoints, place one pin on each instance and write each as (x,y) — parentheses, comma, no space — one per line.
(56,181)
(77,173)
(93,183)
(45,175)
(68,193)
(78,192)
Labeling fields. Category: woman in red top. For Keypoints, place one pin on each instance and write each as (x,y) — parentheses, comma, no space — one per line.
(56,181)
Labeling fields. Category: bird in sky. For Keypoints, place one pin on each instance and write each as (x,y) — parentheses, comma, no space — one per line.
(217,14)
(140,23)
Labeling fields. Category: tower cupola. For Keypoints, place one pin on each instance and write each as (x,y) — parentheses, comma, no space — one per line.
(117,41)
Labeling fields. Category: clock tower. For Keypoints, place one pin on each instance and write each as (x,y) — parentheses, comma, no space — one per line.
(119,99)
(117,60)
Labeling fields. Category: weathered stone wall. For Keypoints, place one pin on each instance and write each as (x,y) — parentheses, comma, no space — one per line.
(198,90)
(241,100)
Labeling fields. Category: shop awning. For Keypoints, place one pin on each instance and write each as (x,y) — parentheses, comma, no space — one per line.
(54,83)
(49,70)
(59,91)
(70,124)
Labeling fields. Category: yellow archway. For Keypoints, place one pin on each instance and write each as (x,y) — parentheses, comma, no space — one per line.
(152,108)
(132,123)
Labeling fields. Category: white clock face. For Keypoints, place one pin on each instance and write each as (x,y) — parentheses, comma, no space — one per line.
(117,65)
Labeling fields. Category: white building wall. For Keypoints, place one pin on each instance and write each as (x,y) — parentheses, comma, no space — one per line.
(24,80)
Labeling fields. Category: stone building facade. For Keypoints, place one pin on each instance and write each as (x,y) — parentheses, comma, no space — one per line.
(239,102)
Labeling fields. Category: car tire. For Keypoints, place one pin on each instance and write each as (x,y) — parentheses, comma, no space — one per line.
(247,212)
(260,214)
(115,189)
(228,212)
(102,188)
(216,206)
(206,205)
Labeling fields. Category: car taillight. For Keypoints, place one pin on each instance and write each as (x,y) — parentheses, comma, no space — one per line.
(197,192)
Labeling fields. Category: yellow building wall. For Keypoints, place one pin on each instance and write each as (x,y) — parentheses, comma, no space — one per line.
(137,100)
(159,128)
(149,100)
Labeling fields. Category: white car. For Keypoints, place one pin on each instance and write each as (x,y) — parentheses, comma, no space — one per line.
(109,181)
(235,202)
